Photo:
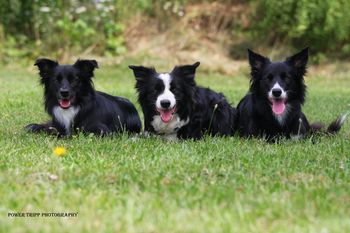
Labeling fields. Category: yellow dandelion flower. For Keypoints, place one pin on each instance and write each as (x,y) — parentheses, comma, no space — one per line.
(59,151)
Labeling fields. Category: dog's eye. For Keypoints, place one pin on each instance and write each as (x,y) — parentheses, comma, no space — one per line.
(72,79)
(283,76)
(270,77)
(158,87)
(59,78)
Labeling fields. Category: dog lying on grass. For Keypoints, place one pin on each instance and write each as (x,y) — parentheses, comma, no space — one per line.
(176,108)
(272,107)
(73,103)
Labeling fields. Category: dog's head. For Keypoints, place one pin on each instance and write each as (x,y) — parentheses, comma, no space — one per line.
(165,93)
(66,83)
(279,82)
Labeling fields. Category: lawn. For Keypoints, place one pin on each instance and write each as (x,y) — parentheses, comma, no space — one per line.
(132,184)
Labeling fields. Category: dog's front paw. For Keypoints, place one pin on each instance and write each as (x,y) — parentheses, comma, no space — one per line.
(52,130)
(38,128)
(35,128)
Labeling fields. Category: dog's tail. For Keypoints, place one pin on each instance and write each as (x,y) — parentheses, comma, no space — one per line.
(332,129)
(336,125)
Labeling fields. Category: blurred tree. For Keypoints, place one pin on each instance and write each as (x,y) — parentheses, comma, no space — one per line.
(323,25)
(58,28)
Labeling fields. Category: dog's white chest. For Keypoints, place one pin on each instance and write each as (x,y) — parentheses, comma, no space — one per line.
(65,116)
(170,129)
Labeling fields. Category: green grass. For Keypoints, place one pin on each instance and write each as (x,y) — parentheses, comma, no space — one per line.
(128,184)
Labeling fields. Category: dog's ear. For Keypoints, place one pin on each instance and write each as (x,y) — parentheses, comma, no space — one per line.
(142,73)
(257,62)
(86,67)
(186,71)
(299,60)
(46,67)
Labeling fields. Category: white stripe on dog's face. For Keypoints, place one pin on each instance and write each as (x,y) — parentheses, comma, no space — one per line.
(167,94)
(277,86)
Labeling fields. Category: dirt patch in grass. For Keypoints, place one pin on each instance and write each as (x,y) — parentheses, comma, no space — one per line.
(200,33)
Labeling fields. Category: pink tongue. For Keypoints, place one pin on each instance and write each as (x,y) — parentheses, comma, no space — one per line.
(64,103)
(166,116)
(278,106)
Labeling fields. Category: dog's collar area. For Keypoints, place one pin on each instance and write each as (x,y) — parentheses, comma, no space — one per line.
(172,127)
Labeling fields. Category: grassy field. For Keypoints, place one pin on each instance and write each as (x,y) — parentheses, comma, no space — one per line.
(130,184)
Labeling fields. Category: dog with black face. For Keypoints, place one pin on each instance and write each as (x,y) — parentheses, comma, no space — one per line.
(272,107)
(176,108)
(72,102)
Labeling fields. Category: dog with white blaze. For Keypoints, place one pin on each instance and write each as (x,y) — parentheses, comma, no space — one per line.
(176,108)
(272,107)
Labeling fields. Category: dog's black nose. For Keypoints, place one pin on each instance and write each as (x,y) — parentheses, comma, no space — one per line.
(276,92)
(64,93)
(165,103)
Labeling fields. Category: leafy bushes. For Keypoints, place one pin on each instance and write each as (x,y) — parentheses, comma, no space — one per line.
(58,28)
(32,28)
(323,25)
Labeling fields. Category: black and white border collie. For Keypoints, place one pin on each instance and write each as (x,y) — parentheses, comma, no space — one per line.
(272,107)
(72,102)
(176,108)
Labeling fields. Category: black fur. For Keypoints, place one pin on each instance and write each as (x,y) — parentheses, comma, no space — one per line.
(254,112)
(99,112)
(208,112)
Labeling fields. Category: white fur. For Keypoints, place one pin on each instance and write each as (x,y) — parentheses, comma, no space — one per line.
(298,135)
(282,117)
(169,130)
(170,137)
(65,116)
(343,118)
(167,94)
(277,86)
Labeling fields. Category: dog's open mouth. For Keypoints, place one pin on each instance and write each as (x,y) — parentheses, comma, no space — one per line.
(166,114)
(64,103)
(278,105)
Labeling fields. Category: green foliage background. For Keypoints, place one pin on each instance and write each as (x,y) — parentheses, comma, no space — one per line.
(31,28)
(324,25)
